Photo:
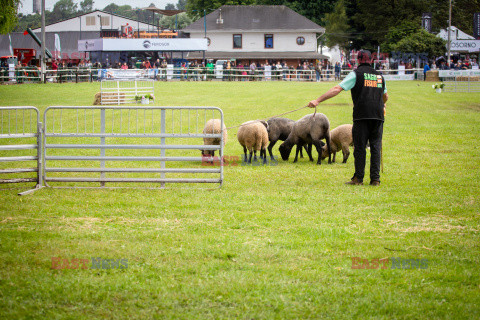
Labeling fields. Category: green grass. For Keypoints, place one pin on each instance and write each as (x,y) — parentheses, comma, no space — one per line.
(275,241)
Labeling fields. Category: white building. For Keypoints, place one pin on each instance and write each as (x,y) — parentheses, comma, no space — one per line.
(258,33)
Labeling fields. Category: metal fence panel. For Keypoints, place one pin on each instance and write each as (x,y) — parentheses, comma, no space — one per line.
(124,91)
(462,84)
(119,144)
(20,144)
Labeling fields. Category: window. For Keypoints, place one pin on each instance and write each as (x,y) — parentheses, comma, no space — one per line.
(105,21)
(90,20)
(237,41)
(300,41)
(269,41)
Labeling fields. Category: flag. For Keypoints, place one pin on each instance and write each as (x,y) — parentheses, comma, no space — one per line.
(58,48)
(11,49)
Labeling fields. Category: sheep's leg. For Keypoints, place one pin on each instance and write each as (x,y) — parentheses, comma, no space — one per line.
(309,151)
(250,158)
(255,155)
(329,150)
(299,146)
(318,146)
(270,147)
(346,153)
(245,153)
(334,155)
(264,151)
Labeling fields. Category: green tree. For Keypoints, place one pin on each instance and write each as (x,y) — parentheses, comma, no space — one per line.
(195,8)
(336,25)
(63,9)
(182,4)
(169,22)
(86,6)
(8,15)
(397,33)
(419,42)
(170,6)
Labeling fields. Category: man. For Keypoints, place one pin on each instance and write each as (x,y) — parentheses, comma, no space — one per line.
(369,95)
(426,68)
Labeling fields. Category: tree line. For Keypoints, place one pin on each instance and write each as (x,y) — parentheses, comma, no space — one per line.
(66,9)
(394,25)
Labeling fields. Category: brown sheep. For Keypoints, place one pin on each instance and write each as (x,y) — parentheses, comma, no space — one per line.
(253,135)
(213,127)
(341,139)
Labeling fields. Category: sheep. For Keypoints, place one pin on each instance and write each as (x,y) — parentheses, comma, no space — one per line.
(213,127)
(341,138)
(279,129)
(253,135)
(310,129)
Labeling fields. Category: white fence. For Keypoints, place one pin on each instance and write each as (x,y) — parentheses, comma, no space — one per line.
(86,145)
(462,84)
(20,146)
(114,91)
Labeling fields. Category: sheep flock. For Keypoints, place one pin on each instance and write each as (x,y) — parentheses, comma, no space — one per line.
(259,135)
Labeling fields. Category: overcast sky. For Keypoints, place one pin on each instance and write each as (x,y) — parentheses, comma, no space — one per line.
(27,5)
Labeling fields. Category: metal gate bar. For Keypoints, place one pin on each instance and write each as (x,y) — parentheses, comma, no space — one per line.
(76,127)
(21,123)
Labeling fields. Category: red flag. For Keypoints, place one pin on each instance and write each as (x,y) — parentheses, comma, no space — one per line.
(25,32)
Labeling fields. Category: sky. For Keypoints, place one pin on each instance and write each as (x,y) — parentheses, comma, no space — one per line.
(27,5)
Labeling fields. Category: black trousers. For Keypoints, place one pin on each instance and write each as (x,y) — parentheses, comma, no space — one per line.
(363,131)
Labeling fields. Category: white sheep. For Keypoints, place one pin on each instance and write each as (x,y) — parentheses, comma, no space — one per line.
(213,127)
(253,135)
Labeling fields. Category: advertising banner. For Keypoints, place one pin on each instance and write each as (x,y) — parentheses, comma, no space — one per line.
(153,44)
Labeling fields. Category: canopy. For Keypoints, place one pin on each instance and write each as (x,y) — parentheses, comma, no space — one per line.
(162,11)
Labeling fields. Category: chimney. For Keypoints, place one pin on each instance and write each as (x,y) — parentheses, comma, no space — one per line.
(220,20)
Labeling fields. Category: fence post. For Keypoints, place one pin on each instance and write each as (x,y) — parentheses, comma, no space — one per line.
(102,142)
(39,154)
(76,76)
(162,142)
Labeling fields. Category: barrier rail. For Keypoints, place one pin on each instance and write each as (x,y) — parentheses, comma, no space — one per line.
(20,125)
(124,91)
(462,84)
(91,141)
(196,74)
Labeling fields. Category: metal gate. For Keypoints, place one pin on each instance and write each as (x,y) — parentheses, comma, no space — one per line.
(116,92)
(21,144)
(115,145)
(462,84)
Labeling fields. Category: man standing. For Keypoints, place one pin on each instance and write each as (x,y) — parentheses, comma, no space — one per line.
(369,95)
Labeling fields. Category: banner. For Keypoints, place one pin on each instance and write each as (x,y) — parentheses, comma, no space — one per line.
(154,44)
(58,47)
(465,45)
(11,49)
(456,73)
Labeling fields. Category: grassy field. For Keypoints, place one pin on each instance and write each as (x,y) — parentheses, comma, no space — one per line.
(274,241)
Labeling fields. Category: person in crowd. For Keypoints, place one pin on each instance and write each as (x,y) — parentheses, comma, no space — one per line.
(124,66)
(338,70)
(426,68)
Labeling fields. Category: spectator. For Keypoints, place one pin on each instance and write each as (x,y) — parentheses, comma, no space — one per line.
(426,68)
(338,69)
(124,66)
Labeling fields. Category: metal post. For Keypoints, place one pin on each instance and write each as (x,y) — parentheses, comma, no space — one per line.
(449,30)
(162,142)
(102,142)
(43,67)
(39,154)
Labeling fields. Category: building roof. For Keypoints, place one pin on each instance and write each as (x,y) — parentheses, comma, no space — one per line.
(252,18)
(87,13)
(455,34)
(68,41)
